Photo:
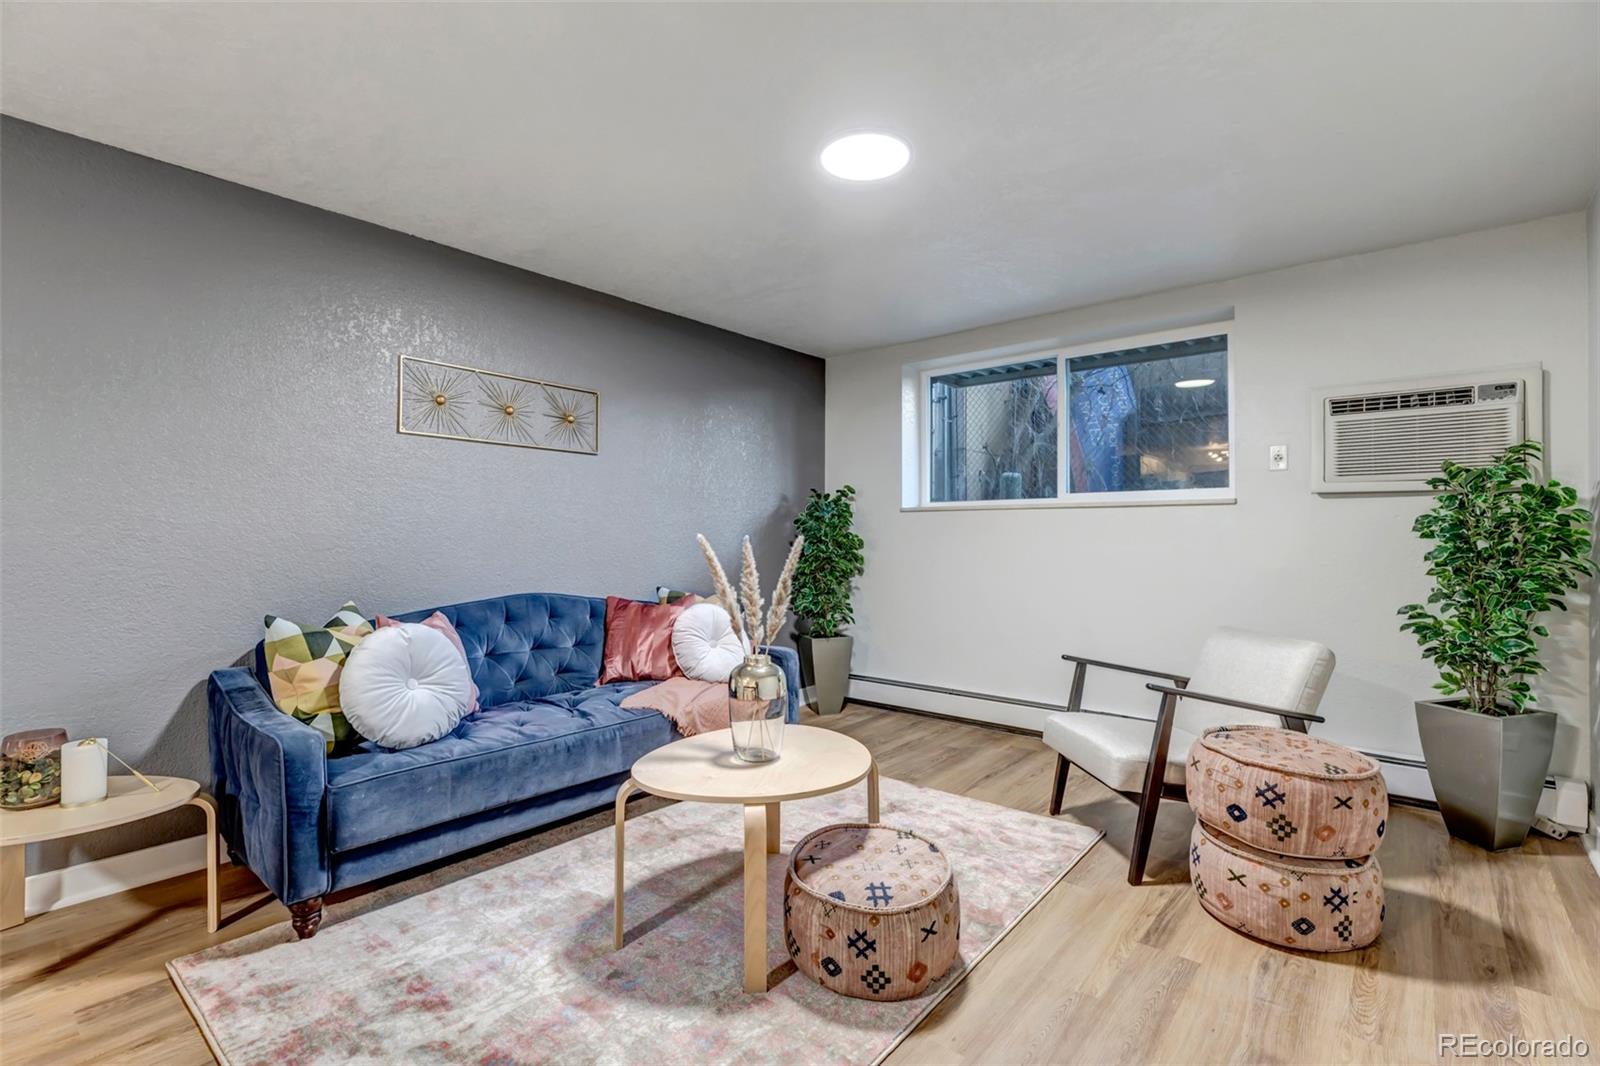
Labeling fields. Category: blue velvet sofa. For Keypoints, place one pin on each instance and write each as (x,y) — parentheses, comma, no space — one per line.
(547,743)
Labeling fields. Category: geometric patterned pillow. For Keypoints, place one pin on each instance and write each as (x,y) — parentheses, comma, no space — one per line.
(303,667)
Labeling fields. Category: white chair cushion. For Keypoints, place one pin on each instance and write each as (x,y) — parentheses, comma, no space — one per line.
(1275,671)
(1114,750)
(408,685)
(704,643)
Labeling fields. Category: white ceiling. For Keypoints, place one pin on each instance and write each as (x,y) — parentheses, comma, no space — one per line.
(666,153)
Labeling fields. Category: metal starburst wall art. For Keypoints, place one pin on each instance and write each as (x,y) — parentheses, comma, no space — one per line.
(463,403)
(570,417)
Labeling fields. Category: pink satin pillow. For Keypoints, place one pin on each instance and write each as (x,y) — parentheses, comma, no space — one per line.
(438,621)
(639,640)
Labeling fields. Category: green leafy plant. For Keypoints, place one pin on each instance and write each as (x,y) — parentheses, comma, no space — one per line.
(1507,546)
(830,561)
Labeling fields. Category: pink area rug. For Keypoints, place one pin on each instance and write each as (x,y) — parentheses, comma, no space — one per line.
(513,963)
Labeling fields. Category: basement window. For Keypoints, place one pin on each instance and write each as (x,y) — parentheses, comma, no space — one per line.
(1146,420)
(993,433)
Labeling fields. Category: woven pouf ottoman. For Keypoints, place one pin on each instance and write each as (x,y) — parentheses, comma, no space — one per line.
(870,911)
(1308,904)
(1287,793)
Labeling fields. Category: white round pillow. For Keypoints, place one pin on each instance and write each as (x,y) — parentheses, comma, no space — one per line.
(404,685)
(704,643)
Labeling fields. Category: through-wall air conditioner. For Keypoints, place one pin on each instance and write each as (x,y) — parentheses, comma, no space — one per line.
(1393,436)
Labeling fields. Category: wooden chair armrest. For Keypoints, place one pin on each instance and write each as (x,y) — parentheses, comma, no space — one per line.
(1259,708)
(1182,679)
(1081,670)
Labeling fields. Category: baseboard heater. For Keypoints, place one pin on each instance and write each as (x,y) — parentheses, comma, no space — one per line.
(1405,775)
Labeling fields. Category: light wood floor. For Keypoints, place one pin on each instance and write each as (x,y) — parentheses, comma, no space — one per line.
(1099,972)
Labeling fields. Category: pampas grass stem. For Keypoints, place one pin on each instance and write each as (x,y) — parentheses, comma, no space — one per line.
(750,593)
(780,592)
(722,590)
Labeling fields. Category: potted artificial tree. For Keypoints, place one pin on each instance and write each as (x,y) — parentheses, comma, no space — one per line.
(1507,546)
(830,561)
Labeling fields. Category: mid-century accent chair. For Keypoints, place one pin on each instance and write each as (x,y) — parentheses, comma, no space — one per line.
(1251,675)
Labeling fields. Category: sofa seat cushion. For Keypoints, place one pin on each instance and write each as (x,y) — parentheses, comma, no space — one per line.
(502,754)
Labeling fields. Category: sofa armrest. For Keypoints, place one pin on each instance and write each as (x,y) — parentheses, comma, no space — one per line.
(269,775)
(788,660)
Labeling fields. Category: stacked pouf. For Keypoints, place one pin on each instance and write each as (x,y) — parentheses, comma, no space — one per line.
(871,911)
(1286,827)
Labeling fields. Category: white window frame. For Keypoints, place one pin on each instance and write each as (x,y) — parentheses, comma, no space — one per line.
(923,375)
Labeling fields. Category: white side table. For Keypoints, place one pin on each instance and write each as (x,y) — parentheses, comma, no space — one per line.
(127,800)
(703,769)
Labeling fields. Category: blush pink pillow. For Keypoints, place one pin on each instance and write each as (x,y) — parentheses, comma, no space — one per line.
(639,640)
(438,621)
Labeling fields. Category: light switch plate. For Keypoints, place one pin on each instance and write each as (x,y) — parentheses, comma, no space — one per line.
(1277,457)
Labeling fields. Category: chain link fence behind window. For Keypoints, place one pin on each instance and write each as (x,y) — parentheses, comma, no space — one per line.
(1140,419)
(994,438)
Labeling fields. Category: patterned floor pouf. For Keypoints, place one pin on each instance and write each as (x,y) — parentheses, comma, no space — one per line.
(1288,793)
(871,911)
(1307,904)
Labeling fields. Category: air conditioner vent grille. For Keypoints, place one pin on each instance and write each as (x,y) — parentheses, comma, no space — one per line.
(1393,436)
(1415,445)
(1401,401)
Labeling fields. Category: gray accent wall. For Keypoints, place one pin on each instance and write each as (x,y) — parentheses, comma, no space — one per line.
(197,426)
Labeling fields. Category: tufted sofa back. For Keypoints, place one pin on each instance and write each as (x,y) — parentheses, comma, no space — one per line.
(521,647)
(528,645)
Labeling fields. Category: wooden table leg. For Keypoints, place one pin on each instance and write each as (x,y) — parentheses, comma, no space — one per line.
(872,793)
(774,827)
(755,898)
(13,885)
(213,857)
(616,906)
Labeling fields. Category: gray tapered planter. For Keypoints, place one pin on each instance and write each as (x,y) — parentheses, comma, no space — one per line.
(825,671)
(1487,772)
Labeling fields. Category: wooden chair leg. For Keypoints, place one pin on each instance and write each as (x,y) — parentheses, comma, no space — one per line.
(1149,805)
(1155,775)
(1059,788)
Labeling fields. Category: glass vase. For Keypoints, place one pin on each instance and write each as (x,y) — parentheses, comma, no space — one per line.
(758,704)
(30,769)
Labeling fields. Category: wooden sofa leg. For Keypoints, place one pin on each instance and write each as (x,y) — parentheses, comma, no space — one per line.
(1059,789)
(306,917)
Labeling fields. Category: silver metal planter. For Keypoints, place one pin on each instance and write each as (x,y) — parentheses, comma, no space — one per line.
(1487,772)
(825,671)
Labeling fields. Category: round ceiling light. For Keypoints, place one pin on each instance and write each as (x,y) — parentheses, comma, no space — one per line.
(1194,383)
(866,156)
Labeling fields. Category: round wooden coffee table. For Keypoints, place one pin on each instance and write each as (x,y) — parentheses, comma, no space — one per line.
(128,799)
(703,769)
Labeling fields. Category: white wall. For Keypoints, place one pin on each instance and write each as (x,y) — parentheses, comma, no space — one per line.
(986,600)
(1594,495)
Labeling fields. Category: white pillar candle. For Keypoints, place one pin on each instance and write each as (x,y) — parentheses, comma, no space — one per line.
(83,772)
